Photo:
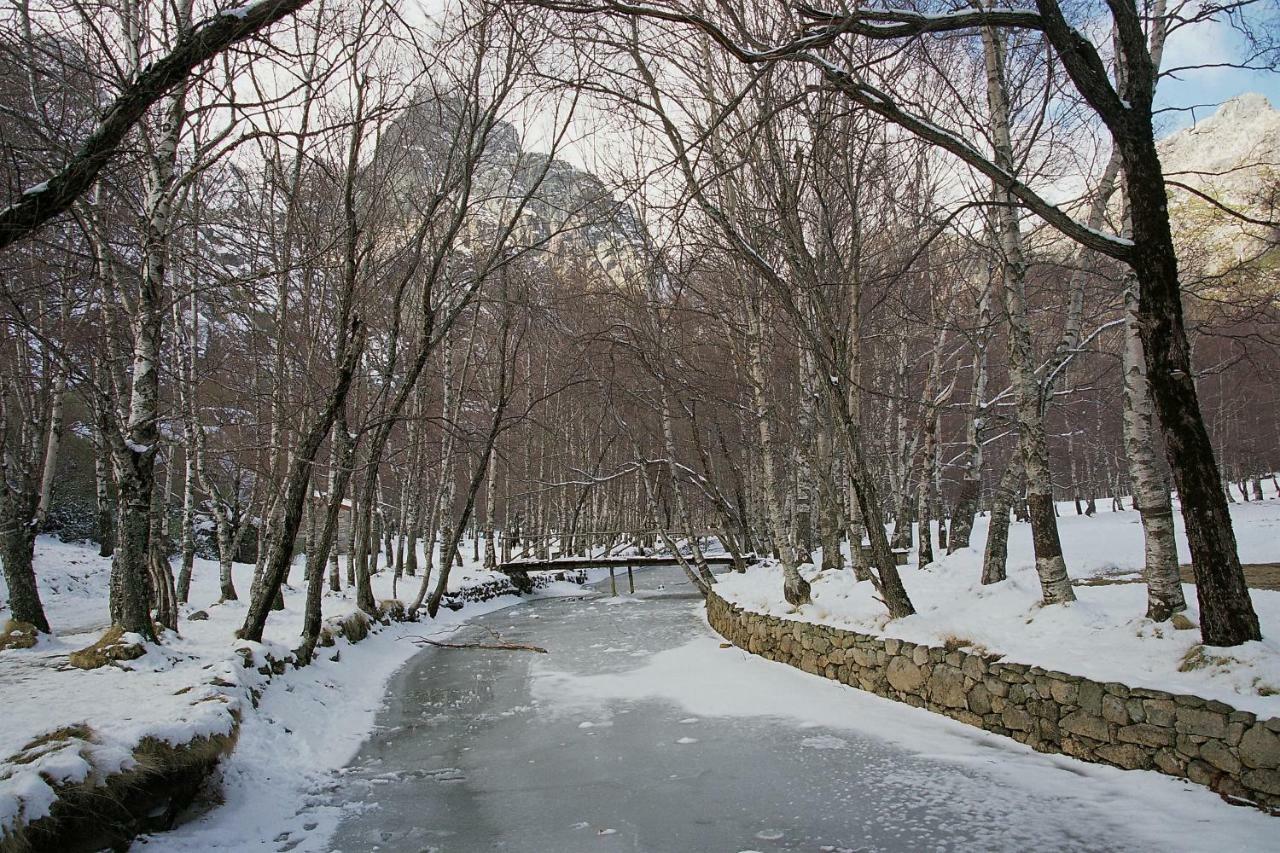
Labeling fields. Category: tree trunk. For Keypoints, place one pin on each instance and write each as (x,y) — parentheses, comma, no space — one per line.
(490,504)
(997,551)
(17,550)
(1055,585)
(1227,617)
(102,493)
(1164,584)
(188,544)
(341,461)
(277,564)
(49,471)
(795,589)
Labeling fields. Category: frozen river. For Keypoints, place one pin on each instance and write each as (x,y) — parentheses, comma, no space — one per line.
(639,732)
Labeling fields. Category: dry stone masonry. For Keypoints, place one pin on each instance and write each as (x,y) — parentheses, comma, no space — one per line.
(1208,742)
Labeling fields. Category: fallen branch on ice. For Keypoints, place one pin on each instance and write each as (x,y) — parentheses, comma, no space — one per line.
(498,644)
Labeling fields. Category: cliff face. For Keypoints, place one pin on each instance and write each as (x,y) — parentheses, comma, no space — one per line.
(571,217)
(1234,157)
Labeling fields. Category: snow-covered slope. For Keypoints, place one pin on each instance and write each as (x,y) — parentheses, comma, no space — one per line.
(1103,635)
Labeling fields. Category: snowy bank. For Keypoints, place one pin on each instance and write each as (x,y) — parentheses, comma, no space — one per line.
(71,732)
(1103,635)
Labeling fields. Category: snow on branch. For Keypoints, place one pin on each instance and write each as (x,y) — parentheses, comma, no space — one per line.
(201,43)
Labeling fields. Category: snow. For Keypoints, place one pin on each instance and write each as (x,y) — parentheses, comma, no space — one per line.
(724,686)
(1104,635)
(308,722)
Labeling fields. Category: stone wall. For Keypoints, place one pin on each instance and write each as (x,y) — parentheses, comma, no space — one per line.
(1208,742)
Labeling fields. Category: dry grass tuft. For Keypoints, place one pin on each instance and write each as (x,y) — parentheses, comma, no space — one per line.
(110,648)
(1197,658)
(17,635)
(107,812)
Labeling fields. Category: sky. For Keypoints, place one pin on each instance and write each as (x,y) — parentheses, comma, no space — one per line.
(1196,93)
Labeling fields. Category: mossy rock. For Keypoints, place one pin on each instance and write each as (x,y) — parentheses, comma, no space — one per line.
(392,610)
(111,647)
(355,626)
(17,635)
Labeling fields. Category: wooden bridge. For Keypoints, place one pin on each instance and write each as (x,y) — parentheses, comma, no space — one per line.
(518,570)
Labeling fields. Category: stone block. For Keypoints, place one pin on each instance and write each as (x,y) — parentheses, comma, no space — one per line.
(1201,772)
(1049,731)
(979,699)
(1090,697)
(946,687)
(1170,762)
(1126,755)
(1145,734)
(1200,721)
(920,655)
(1267,781)
(1260,748)
(1064,693)
(1160,712)
(1011,674)
(1077,748)
(1085,725)
(1113,710)
(1016,719)
(1216,753)
(904,675)
(974,667)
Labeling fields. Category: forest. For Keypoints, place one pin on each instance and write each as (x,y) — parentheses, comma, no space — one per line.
(353,293)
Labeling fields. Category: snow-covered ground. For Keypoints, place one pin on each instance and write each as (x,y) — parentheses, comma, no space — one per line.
(307,723)
(1103,635)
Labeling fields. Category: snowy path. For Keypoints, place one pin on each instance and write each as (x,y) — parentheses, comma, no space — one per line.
(638,732)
